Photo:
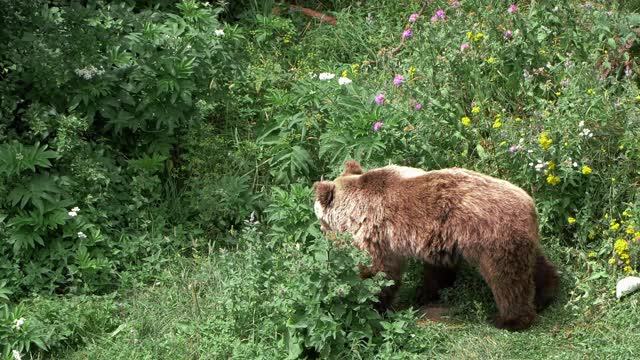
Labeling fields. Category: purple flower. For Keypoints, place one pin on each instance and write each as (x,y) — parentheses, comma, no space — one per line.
(440,14)
(377,126)
(455,4)
(434,18)
(514,148)
(507,34)
(513,8)
(397,80)
(418,106)
(380,99)
(464,47)
(407,34)
(413,17)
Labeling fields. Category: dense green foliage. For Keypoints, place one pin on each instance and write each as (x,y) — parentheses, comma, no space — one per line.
(156,165)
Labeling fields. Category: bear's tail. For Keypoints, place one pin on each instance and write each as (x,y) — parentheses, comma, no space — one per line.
(546,280)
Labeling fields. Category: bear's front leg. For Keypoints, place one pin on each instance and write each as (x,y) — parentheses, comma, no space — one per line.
(393,267)
(434,278)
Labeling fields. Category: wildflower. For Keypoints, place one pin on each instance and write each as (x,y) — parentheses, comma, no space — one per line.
(627,214)
(470,36)
(18,323)
(397,80)
(620,246)
(514,148)
(627,269)
(475,109)
(491,60)
(630,229)
(465,121)
(586,133)
(343,80)
(16,355)
(72,213)
(219,32)
(354,68)
(464,47)
(89,72)
(586,170)
(345,73)
(377,126)
(497,123)
(614,225)
(513,8)
(591,254)
(418,106)
(440,14)
(455,4)
(380,99)
(81,235)
(508,34)
(553,180)
(591,92)
(571,220)
(412,71)
(434,18)
(545,142)
(326,76)
(612,261)
(477,37)
(551,165)
(413,17)
(407,34)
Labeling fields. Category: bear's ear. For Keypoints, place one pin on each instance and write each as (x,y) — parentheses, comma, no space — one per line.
(352,167)
(324,192)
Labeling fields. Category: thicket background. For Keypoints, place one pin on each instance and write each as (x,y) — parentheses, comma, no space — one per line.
(156,160)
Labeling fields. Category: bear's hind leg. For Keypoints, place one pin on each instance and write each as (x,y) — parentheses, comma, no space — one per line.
(511,279)
(434,278)
(546,279)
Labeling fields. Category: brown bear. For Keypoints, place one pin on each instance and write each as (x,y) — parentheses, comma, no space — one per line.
(441,217)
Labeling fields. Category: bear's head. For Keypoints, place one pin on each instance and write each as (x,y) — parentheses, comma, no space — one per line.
(326,192)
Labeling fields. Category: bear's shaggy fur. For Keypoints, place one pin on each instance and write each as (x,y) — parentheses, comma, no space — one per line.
(440,217)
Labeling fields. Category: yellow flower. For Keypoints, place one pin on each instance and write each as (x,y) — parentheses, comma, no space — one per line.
(356,67)
(586,170)
(491,60)
(591,92)
(612,261)
(630,229)
(553,180)
(614,225)
(542,52)
(591,254)
(545,141)
(518,120)
(626,213)
(571,220)
(497,123)
(470,35)
(478,36)
(345,74)
(412,71)
(475,109)
(558,93)
(465,121)
(551,165)
(620,247)
(627,269)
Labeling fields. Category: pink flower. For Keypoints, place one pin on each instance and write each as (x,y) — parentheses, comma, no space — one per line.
(513,8)
(514,148)
(455,4)
(413,17)
(464,47)
(440,14)
(397,80)
(377,126)
(507,34)
(380,99)
(418,106)
(434,18)
(407,34)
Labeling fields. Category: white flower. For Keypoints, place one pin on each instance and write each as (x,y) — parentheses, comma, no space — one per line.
(73,213)
(326,76)
(16,355)
(19,323)
(581,124)
(81,235)
(344,80)
(586,133)
(219,32)
(76,209)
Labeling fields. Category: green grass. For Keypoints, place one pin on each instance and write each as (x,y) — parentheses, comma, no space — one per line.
(165,321)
